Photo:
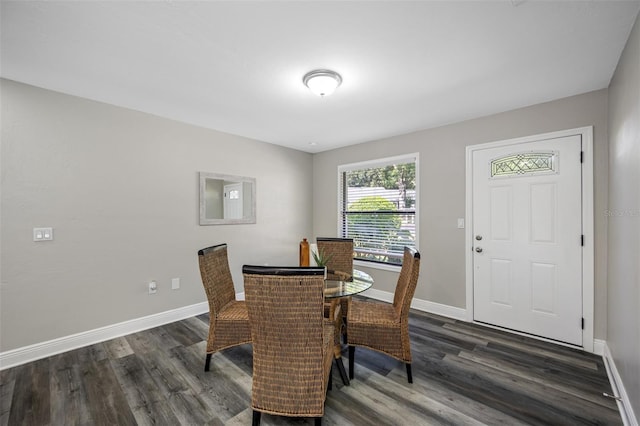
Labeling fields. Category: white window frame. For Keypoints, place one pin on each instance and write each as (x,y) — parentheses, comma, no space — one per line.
(381,162)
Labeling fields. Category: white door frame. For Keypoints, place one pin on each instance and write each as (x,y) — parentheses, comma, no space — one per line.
(588,289)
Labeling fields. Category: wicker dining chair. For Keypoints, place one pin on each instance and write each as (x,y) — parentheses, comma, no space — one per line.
(339,252)
(228,317)
(292,341)
(384,327)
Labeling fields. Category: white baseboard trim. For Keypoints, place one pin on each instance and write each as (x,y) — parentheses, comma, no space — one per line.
(598,347)
(421,305)
(440,309)
(41,350)
(384,296)
(624,404)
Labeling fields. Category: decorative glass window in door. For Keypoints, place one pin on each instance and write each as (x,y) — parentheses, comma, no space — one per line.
(524,163)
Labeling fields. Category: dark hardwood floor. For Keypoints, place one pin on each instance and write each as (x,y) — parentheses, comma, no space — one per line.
(464,374)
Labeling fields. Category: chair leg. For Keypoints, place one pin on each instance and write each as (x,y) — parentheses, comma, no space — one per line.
(330,385)
(318,421)
(343,372)
(256,418)
(409,376)
(352,351)
(207,362)
(344,334)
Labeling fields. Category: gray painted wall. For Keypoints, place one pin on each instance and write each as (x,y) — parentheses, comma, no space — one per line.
(623,331)
(120,189)
(442,189)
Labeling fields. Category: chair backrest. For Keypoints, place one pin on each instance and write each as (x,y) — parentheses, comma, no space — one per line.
(216,277)
(340,251)
(407,281)
(286,317)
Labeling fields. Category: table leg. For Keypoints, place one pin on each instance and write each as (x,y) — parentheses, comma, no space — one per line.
(336,316)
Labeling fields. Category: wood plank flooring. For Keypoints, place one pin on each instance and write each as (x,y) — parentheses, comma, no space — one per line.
(464,374)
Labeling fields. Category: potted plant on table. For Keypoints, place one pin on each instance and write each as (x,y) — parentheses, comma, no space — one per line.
(321,259)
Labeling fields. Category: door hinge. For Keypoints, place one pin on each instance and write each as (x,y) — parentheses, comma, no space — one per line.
(582,240)
(582,323)
(582,156)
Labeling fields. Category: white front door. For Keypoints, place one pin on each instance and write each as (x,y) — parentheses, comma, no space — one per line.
(527,232)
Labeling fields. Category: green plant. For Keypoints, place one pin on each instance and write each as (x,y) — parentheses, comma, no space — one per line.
(321,258)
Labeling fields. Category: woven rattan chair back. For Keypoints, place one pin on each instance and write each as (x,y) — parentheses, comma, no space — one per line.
(216,277)
(228,317)
(291,340)
(340,254)
(407,282)
(339,267)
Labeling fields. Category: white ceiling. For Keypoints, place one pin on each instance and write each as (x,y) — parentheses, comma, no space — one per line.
(237,66)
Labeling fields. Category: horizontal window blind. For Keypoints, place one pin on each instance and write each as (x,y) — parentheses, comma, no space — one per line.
(378,207)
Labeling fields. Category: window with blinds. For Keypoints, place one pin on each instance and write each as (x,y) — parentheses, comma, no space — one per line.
(378,207)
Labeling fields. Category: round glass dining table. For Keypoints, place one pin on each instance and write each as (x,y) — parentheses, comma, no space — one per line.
(334,289)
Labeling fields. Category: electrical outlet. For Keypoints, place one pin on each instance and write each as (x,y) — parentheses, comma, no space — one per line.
(153,287)
(175,283)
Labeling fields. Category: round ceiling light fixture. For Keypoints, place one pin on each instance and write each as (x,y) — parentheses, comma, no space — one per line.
(322,82)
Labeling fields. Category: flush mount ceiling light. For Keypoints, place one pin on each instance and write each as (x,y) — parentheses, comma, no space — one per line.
(322,82)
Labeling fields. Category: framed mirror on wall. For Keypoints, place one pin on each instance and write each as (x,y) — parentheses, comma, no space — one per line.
(227,199)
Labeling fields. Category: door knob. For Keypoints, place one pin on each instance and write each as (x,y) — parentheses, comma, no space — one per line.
(478,249)
(478,237)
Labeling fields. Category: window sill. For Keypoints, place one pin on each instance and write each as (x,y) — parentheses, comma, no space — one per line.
(373,265)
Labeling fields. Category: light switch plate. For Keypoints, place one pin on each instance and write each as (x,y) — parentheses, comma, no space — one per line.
(460,223)
(175,283)
(42,234)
